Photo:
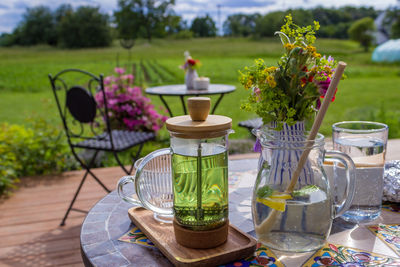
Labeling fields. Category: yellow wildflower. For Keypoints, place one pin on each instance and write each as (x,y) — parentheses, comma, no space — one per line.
(270,69)
(249,83)
(271,81)
(289,46)
(311,49)
(316,55)
(328,70)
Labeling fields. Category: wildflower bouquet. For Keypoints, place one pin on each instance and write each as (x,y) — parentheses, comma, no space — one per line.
(292,90)
(127,107)
(190,63)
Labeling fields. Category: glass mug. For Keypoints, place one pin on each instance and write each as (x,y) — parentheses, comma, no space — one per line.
(155,173)
(365,142)
(306,219)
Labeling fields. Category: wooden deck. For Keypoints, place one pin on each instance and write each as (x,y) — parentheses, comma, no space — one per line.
(30,234)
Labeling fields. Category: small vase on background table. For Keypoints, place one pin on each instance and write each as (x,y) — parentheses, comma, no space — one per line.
(190,76)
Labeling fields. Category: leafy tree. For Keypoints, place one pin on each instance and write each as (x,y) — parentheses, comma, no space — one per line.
(86,27)
(62,11)
(177,28)
(7,39)
(301,16)
(240,24)
(37,27)
(361,31)
(395,30)
(128,20)
(174,24)
(204,27)
(392,22)
(335,23)
(268,24)
(143,18)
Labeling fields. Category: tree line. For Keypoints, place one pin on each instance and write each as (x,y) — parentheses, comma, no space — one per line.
(334,22)
(87,26)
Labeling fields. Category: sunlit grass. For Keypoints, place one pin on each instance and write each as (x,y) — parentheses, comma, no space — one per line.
(25,90)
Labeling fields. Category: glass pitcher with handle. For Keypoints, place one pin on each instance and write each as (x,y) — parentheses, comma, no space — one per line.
(298,220)
(199,168)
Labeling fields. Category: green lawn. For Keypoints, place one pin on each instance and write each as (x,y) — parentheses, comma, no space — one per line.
(25,92)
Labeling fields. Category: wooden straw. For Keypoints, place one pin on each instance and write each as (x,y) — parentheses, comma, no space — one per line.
(267,224)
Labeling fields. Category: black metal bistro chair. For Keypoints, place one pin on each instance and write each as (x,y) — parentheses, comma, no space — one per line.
(87,125)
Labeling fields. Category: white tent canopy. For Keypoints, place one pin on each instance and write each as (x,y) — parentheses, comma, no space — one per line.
(388,51)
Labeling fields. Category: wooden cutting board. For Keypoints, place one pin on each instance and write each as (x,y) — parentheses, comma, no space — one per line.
(239,244)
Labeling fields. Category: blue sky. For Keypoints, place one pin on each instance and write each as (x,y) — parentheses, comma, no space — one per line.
(11,11)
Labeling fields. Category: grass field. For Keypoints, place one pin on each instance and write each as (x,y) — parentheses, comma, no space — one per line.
(25,92)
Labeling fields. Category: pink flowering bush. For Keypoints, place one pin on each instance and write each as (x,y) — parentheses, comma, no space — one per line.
(127,107)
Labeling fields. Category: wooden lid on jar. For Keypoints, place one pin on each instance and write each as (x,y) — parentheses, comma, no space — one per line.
(199,124)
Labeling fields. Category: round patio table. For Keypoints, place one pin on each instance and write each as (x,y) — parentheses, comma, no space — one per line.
(181,91)
(108,220)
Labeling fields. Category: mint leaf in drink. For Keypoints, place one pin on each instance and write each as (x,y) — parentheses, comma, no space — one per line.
(265,191)
(305,191)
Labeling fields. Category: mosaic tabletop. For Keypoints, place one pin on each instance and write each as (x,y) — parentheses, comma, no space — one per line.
(108,220)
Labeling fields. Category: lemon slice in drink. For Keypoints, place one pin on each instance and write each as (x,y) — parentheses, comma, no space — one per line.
(276,204)
(276,201)
(281,195)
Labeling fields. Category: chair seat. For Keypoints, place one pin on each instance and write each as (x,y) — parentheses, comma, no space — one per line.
(251,124)
(122,139)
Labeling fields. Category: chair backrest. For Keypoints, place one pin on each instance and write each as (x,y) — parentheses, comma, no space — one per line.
(76,92)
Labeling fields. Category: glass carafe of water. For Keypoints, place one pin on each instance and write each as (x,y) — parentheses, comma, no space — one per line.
(199,167)
(298,220)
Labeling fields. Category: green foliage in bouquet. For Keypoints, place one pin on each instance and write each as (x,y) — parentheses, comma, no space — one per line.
(292,90)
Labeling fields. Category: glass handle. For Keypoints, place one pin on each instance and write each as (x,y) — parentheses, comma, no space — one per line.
(120,189)
(347,162)
(141,191)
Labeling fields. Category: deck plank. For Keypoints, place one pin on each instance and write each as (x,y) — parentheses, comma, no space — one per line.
(30,234)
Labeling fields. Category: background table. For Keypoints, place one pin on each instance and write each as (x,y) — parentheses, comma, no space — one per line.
(108,220)
(181,91)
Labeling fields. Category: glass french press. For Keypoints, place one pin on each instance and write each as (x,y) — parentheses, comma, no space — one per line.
(199,165)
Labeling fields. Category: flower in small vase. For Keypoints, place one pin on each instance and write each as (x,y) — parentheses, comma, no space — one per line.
(190,63)
(290,91)
(127,107)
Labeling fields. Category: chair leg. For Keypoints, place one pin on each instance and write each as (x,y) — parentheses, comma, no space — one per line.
(87,167)
(120,163)
(74,198)
(98,181)
(128,172)
(136,157)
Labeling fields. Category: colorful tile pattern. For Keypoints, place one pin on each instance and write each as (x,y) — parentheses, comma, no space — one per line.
(335,255)
(136,236)
(389,234)
(263,256)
